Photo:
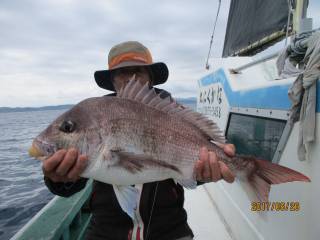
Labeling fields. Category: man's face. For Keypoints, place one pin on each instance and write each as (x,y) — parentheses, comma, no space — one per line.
(122,76)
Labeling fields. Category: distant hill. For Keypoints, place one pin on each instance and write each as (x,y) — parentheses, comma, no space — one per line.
(31,109)
(191,102)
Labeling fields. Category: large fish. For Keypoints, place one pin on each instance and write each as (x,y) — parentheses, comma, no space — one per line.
(138,137)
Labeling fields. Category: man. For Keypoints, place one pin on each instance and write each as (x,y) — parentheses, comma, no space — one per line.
(160,213)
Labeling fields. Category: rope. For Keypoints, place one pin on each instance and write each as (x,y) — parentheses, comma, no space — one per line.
(151,212)
(211,41)
(288,22)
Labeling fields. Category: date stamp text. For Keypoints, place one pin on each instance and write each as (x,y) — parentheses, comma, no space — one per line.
(275,206)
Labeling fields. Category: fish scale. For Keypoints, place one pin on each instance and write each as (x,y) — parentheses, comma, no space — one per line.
(169,146)
(183,135)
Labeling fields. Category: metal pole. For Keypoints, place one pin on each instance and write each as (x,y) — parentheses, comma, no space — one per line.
(264,59)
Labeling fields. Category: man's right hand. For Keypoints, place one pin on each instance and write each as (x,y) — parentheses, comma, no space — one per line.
(64,165)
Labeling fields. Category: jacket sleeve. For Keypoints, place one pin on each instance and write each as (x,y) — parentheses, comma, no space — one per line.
(65,189)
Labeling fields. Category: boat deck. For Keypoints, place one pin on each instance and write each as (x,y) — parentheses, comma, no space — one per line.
(69,218)
(203,216)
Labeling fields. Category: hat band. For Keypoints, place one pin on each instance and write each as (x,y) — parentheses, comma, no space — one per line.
(130,57)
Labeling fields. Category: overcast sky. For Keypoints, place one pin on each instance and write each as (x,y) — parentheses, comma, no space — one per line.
(50,49)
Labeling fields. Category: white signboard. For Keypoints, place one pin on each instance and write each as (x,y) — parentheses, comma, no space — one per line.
(213,103)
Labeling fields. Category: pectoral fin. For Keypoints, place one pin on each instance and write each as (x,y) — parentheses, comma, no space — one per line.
(137,162)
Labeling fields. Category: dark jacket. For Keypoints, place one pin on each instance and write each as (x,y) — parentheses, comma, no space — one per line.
(169,218)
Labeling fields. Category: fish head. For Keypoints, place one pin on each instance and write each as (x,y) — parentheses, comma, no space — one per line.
(73,128)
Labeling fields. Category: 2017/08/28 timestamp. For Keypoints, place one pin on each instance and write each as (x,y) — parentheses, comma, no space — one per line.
(275,206)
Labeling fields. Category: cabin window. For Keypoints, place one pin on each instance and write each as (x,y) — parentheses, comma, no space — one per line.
(255,136)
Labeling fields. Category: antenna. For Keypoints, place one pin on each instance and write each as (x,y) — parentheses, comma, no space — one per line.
(211,41)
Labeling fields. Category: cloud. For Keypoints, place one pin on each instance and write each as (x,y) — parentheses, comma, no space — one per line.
(50,49)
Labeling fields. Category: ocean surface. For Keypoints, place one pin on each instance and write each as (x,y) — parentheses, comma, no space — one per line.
(22,190)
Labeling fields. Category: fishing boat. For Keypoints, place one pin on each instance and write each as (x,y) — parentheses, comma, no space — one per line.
(248,99)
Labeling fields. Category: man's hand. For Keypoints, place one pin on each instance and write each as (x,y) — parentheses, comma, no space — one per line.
(209,169)
(64,165)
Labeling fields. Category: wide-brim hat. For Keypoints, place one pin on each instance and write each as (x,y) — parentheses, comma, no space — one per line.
(129,54)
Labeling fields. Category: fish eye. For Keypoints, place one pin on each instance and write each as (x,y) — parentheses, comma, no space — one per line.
(67,126)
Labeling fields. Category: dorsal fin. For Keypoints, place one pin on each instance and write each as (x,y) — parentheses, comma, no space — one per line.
(143,94)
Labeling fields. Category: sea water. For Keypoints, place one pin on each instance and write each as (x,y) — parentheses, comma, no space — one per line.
(22,189)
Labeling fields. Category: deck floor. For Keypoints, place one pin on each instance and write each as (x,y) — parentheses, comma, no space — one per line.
(203,217)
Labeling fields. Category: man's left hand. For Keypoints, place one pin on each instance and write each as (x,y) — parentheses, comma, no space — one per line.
(210,169)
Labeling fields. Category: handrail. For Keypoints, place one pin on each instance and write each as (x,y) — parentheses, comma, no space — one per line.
(264,59)
(62,218)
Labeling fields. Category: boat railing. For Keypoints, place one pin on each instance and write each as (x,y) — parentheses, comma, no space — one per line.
(253,63)
(61,219)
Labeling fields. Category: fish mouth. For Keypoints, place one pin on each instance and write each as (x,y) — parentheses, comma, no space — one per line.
(35,152)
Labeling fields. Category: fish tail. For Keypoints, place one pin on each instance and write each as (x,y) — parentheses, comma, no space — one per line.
(266,174)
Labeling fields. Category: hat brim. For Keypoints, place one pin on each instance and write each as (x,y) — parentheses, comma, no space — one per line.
(159,70)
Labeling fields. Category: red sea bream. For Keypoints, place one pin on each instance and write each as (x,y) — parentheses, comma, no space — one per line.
(138,137)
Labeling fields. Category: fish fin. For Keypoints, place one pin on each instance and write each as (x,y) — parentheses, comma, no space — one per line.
(268,173)
(134,162)
(257,189)
(143,94)
(187,183)
(127,197)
